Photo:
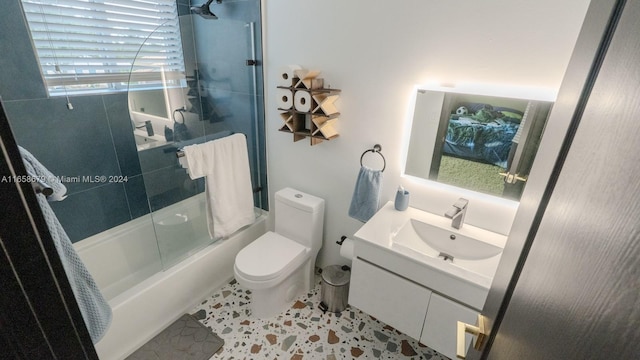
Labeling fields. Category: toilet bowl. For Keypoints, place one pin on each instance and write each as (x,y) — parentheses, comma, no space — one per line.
(273,268)
(279,266)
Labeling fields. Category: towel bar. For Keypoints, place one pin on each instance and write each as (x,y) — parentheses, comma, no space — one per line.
(180,152)
(377,149)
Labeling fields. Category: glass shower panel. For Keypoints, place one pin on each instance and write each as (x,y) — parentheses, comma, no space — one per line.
(166,117)
(213,95)
(230,84)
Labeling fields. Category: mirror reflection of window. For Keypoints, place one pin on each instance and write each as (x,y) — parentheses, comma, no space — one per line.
(481,143)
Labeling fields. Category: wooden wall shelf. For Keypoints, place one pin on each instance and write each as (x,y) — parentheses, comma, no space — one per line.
(307,108)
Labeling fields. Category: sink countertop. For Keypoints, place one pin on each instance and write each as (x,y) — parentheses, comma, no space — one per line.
(382,228)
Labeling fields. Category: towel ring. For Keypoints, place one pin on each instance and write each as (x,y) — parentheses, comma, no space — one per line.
(179,111)
(376,150)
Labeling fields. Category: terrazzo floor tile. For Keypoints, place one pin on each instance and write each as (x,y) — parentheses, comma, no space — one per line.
(302,331)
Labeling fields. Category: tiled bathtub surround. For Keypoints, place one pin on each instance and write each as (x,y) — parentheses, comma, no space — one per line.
(303,331)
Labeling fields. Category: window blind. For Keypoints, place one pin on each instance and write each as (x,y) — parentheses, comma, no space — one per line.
(89,46)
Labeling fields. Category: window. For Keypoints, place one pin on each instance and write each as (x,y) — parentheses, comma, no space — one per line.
(89,46)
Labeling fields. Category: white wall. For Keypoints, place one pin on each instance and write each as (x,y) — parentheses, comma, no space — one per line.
(376,51)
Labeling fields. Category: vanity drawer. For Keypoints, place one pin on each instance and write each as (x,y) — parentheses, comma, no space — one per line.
(392,299)
(440,324)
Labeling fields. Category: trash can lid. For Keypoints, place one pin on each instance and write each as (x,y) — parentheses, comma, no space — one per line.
(334,275)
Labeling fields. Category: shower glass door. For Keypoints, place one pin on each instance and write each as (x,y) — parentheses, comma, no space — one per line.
(211,90)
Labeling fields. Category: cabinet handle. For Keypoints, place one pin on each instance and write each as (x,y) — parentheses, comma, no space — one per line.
(478,331)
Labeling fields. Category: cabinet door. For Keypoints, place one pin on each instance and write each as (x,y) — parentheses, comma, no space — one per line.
(440,325)
(388,297)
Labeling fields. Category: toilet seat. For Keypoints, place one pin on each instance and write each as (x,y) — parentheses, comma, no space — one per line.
(269,256)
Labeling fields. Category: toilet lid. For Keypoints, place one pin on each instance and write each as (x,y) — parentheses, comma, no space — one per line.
(268,256)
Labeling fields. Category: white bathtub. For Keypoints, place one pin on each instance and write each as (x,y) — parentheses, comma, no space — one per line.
(125,263)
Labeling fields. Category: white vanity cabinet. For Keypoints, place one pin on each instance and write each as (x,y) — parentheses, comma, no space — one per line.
(396,301)
(407,306)
(400,279)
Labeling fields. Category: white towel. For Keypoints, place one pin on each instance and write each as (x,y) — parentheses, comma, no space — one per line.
(225,164)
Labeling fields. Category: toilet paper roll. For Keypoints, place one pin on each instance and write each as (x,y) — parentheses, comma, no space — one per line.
(346,249)
(285,99)
(302,101)
(287,73)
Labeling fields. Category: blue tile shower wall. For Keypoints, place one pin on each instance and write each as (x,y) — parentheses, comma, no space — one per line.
(84,142)
(93,139)
(69,143)
(19,73)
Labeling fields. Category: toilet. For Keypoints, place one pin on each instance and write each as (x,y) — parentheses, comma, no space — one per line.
(278,266)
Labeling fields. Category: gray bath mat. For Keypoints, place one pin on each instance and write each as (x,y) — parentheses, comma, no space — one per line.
(185,339)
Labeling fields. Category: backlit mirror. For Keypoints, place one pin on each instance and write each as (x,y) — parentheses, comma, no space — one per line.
(477,138)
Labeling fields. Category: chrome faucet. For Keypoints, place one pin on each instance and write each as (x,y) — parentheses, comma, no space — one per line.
(457,213)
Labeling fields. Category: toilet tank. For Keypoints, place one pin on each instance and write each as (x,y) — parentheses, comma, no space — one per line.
(299,217)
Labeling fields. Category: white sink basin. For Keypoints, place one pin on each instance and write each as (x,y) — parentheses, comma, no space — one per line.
(451,244)
(473,253)
(410,243)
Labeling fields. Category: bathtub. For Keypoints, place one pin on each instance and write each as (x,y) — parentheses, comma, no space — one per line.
(126,264)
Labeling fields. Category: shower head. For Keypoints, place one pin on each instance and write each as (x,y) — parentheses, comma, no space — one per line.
(204,10)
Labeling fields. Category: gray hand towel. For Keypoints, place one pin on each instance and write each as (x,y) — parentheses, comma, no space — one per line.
(366,195)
